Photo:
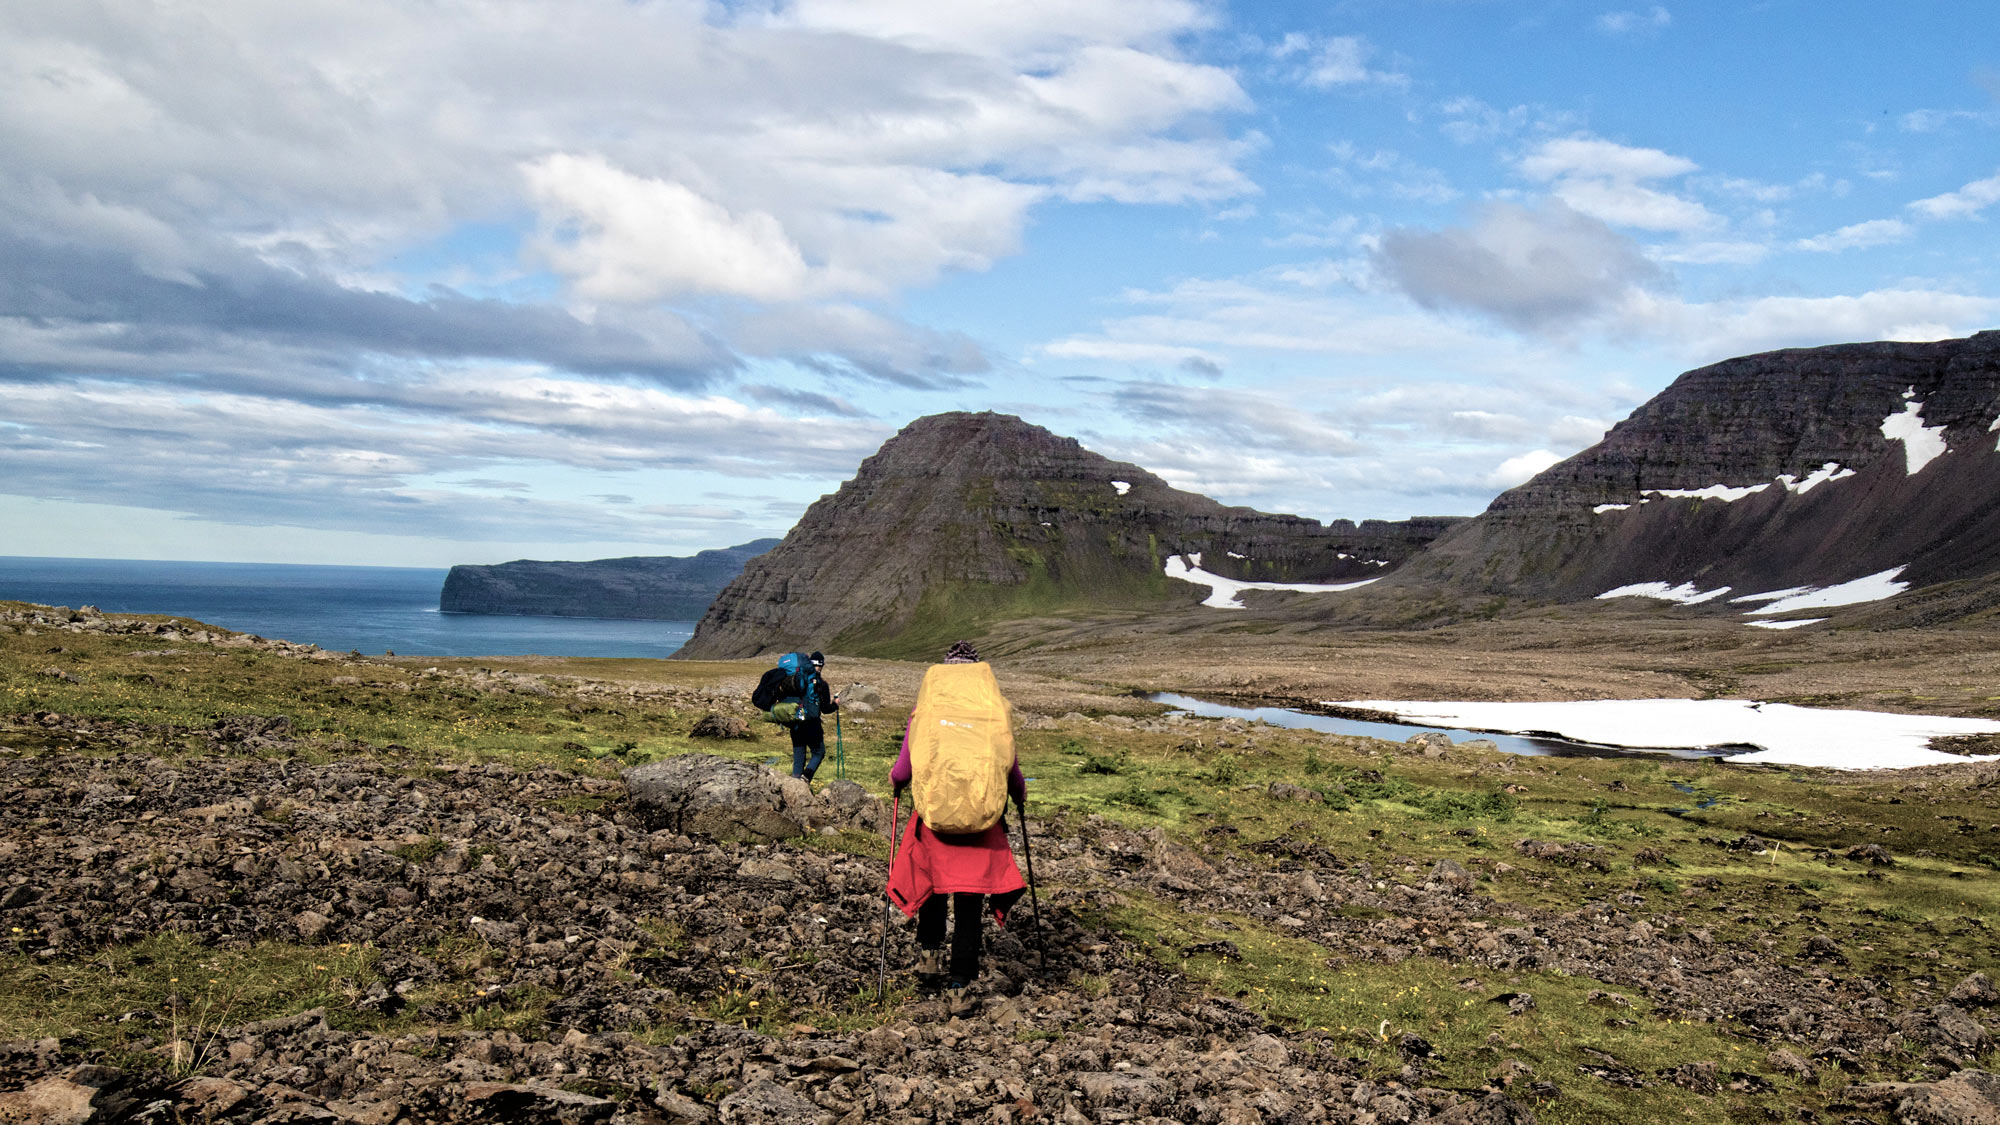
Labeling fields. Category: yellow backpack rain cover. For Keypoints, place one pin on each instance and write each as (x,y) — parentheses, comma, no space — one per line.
(961,747)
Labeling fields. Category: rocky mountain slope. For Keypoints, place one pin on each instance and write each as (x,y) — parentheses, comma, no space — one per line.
(1799,468)
(963,518)
(652,588)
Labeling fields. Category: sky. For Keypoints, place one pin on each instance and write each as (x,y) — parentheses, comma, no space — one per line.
(367,282)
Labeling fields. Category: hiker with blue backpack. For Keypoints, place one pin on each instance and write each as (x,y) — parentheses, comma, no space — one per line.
(795,695)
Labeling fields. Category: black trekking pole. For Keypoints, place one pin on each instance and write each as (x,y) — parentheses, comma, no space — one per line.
(882,980)
(1041,947)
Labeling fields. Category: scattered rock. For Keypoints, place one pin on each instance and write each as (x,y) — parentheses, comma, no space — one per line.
(1569,855)
(311,926)
(1874,854)
(764,1102)
(51,1101)
(1430,743)
(714,725)
(847,803)
(1449,875)
(1970,1097)
(1792,1063)
(704,795)
(1976,990)
(511,1102)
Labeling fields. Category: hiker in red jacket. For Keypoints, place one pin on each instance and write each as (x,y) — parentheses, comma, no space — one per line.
(933,870)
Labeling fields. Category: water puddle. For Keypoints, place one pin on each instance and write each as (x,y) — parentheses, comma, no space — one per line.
(1708,802)
(1535,746)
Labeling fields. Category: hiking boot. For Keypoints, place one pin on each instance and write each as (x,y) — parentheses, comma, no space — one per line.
(930,969)
(959,999)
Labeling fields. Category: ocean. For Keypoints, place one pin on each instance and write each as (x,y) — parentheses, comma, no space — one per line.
(370,609)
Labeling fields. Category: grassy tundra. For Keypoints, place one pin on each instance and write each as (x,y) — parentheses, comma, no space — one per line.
(1618,939)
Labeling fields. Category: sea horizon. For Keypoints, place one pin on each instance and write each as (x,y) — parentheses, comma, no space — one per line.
(339,606)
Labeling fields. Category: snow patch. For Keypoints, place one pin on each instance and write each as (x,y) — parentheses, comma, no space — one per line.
(1772,596)
(1123,486)
(1234,555)
(1921,444)
(1801,485)
(1685,593)
(1728,494)
(1223,591)
(1802,736)
(1871,588)
(1787,624)
(1995,427)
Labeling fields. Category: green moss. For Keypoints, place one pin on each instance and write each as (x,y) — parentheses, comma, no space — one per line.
(954,611)
(191,990)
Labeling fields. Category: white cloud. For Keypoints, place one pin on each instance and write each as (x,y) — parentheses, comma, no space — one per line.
(1726,252)
(1325,62)
(1390,173)
(1965,203)
(1936,120)
(1705,332)
(1468,120)
(1020,29)
(1544,268)
(1635,23)
(621,237)
(1607,181)
(1874,232)
(1591,158)
(360,127)
(1520,470)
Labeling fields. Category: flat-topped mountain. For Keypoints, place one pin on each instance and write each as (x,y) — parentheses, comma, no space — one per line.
(641,587)
(963,518)
(1804,468)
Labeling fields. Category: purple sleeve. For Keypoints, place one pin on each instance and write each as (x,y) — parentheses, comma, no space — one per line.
(899,774)
(1016,783)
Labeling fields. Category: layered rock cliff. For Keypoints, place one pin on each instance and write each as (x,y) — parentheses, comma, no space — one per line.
(963,518)
(651,588)
(1804,467)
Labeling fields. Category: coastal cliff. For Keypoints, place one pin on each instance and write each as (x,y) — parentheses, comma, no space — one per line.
(643,587)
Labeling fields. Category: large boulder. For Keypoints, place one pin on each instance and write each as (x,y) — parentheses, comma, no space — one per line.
(847,804)
(1970,1097)
(703,795)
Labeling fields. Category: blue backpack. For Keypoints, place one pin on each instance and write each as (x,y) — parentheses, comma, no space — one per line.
(801,684)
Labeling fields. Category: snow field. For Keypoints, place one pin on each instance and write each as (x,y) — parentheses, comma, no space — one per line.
(1783,734)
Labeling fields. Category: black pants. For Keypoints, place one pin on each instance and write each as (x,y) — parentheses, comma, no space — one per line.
(965,933)
(808,735)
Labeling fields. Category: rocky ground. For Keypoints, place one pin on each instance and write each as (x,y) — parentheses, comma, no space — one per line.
(650,953)
(449,940)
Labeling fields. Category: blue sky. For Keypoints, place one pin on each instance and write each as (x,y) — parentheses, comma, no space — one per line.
(368,282)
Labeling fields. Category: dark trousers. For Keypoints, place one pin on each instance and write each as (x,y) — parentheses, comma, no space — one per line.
(808,735)
(965,932)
